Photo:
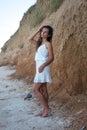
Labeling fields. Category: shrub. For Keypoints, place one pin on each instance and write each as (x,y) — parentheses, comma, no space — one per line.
(3,49)
(31,8)
(37,17)
(55,4)
(21,46)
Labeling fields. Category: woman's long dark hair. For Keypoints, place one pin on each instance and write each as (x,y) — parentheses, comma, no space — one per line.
(49,38)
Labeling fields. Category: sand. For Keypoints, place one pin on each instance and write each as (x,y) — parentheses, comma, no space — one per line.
(19,114)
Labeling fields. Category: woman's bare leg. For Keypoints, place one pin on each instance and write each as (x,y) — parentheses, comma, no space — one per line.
(42,98)
(43,90)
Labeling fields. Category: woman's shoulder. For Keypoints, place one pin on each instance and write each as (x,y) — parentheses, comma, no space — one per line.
(48,44)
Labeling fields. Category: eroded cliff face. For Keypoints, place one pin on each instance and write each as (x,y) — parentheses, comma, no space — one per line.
(69,69)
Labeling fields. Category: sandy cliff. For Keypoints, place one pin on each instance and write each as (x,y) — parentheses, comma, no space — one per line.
(69,69)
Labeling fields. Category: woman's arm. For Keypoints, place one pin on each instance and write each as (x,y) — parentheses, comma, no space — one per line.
(50,57)
(32,40)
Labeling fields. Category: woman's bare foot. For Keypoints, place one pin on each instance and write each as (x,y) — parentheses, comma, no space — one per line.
(46,113)
(41,113)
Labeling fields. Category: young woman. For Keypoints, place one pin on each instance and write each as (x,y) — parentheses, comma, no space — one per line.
(44,56)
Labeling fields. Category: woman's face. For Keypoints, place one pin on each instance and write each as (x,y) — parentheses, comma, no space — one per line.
(44,33)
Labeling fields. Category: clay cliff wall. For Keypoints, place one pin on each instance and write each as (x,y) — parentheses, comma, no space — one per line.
(69,69)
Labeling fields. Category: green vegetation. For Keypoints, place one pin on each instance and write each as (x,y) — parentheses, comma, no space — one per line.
(21,46)
(37,16)
(31,8)
(3,49)
(54,5)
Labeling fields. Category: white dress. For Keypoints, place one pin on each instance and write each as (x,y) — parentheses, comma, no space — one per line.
(40,58)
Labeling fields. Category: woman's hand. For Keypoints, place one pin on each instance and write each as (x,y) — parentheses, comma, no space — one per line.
(41,68)
(32,40)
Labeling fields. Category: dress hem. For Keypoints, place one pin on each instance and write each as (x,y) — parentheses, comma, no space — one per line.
(42,82)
